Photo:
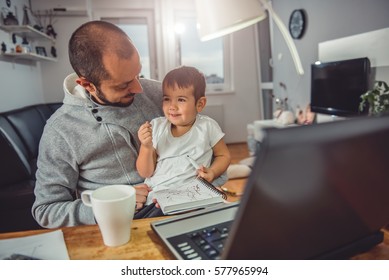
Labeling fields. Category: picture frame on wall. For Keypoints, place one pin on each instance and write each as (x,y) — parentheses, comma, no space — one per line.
(41,51)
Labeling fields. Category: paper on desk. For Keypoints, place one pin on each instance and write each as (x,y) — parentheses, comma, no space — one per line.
(45,246)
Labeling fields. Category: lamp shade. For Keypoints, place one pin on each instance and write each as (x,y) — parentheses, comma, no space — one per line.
(216,18)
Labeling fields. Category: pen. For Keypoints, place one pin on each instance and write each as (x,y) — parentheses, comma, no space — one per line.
(192,161)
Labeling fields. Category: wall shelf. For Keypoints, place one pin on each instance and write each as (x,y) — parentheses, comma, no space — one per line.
(31,34)
(26,31)
(29,56)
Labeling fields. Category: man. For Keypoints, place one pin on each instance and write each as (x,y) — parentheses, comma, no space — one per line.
(91,141)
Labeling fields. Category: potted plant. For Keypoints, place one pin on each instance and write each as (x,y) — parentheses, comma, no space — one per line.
(377,99)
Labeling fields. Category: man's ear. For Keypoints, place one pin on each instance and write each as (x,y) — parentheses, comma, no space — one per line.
(201,104)
(86,84)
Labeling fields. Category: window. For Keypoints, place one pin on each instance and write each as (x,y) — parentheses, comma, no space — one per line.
(138,34)
(140,29)
(209,57)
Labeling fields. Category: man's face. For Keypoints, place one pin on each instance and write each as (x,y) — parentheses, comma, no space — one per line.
(123,84)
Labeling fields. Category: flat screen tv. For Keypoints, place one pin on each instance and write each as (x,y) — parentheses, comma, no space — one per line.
(336,86)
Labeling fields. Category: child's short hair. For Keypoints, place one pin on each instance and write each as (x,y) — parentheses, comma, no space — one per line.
(184,77)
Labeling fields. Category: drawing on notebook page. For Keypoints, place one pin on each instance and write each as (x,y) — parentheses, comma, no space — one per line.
(190,191)
(193,195)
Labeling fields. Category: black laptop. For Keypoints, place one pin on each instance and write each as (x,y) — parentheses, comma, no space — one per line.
(315,192)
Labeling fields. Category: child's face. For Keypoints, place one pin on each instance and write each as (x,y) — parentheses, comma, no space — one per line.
(179,105)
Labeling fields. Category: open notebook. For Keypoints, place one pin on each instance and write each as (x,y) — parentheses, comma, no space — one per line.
(196,194)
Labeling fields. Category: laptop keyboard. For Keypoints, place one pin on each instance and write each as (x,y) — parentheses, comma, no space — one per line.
(205,243)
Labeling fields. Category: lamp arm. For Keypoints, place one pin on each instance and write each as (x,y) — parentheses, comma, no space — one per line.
(288,39)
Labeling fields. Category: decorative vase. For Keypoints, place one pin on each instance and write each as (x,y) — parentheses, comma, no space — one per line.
(11,19)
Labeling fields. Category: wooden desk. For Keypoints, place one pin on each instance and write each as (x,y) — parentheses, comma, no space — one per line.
(85,243)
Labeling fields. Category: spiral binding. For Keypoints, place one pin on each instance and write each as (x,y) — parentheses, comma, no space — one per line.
(212,187)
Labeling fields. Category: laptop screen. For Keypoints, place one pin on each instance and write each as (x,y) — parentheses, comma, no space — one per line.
(313,190)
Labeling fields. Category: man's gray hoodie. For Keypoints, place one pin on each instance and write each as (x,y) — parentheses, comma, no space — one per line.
(85,146)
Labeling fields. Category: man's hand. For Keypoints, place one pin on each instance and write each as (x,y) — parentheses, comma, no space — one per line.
(142,191)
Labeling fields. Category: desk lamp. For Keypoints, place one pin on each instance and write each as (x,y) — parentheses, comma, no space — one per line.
(217,18)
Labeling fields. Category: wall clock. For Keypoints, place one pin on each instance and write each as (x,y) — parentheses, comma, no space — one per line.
(297,23)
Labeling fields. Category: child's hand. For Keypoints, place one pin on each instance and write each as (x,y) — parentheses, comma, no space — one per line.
(156,203)
(206,173)
(145,134)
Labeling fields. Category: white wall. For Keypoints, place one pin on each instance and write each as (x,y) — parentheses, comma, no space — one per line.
(53,74)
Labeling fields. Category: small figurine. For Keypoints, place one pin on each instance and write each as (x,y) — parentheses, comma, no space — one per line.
(3,47)
(10,19)
(18,49)
(24,41)
(38,27)
(26,19)
(53,51)
(50,31)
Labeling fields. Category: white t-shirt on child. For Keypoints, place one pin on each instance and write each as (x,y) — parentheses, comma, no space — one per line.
(173,167)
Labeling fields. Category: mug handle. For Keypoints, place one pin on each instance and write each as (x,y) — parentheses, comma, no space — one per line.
(85,197)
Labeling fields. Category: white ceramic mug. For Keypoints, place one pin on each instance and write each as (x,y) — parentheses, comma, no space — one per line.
(113,207)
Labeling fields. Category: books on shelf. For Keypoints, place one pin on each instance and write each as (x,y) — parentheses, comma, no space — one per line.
(196,194)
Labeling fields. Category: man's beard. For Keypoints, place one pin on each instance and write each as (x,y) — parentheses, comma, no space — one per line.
(100,94)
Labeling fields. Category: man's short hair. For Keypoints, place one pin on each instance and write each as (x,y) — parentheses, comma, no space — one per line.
(90,41)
